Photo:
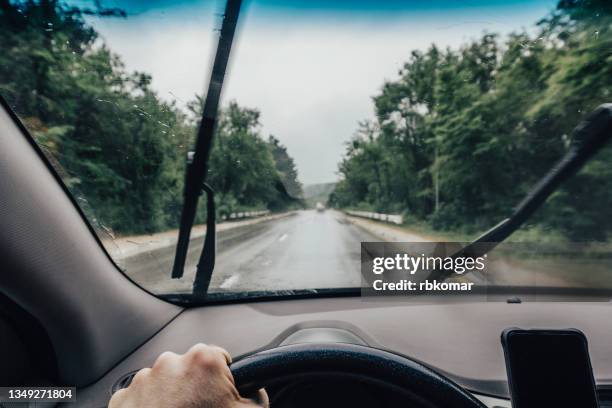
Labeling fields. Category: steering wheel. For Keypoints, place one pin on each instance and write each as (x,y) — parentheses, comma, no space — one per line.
(421,386)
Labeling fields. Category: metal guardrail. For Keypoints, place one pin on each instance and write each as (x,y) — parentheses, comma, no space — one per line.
(392,218)
(245,214)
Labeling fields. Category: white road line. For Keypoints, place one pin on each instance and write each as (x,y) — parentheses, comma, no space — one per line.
(229,282)
(283,237)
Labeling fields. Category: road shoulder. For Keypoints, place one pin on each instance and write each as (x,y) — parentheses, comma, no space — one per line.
(128,246)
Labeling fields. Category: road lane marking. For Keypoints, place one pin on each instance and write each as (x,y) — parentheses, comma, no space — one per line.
(283,237)
(229,282)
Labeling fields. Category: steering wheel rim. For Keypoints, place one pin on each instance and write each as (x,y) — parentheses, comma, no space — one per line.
(298,361)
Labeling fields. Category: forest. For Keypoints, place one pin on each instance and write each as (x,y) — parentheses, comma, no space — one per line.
(457,139)
(119,147)
(461,135)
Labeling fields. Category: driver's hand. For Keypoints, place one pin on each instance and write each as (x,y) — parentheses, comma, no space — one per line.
(199,378)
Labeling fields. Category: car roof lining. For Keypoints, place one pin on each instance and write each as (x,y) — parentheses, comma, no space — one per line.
(56,269)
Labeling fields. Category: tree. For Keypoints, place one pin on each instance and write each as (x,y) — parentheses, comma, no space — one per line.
(119,147)
(461,135)
(286,167)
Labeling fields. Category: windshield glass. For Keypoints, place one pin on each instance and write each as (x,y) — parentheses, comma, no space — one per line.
(340,123)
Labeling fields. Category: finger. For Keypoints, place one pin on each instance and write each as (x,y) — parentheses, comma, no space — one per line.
(261,398)
(140,377)
(228,360)
(217,351)
(198,347)
(118,398)
(207,357)
(224,352)
(229,375)
(166,360)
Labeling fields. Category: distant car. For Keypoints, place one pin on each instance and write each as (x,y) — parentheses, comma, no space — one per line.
(320,207)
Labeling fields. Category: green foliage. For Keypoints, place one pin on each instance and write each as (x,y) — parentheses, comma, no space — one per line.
(242,165)
(286,167)
(463,134)
(119,147)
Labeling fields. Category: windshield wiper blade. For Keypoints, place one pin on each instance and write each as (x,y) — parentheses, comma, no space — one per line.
(589,137)
(197,168)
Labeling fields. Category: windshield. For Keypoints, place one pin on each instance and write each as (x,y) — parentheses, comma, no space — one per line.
(340,123)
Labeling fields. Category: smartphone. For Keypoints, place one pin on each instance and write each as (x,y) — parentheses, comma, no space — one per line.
(549,368)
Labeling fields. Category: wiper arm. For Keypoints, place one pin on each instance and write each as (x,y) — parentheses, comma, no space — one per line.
(206,263)
(589,137)
(197,168)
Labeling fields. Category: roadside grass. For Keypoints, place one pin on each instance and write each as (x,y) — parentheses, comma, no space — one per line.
(530,239)
(547,253)
(532,256)
(424,228)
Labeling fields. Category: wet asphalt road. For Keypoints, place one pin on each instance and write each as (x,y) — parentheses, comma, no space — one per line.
(310,250)
(305,250)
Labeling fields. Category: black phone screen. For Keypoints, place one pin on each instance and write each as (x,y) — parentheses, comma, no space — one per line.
(549,368)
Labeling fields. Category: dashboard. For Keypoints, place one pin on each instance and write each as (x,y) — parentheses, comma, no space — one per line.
(460,340)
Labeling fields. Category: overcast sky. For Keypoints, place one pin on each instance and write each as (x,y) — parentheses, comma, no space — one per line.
(310,66)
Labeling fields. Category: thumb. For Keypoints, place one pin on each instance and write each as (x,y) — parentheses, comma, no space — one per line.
(260,398)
